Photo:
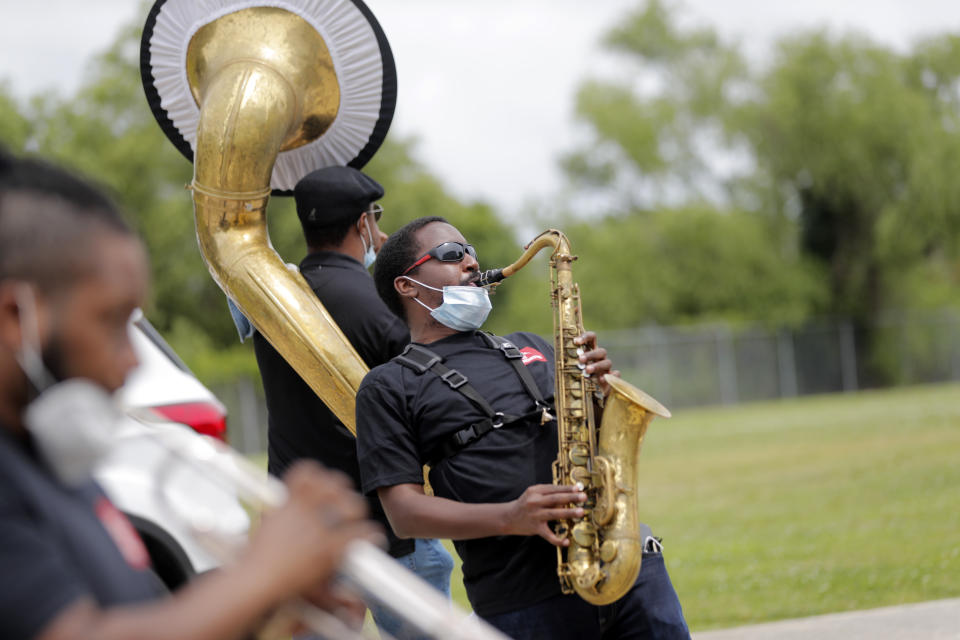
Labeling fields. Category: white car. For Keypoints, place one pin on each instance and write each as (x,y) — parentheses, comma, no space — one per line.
(163,385)
(164,402)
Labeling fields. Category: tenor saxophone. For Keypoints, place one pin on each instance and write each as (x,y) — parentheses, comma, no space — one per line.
(603,558)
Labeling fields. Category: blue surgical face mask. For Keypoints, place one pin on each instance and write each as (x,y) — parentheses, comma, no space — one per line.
(464,308)
(370,254)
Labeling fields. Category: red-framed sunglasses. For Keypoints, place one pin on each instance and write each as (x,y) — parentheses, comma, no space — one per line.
(446,252)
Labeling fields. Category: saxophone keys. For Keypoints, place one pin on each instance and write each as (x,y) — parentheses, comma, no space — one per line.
(581,476)
(609,550)
(584,534)
(579,455)
(605,507)
(590,578)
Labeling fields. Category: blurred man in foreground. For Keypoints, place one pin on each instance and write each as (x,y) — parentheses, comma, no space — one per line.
(71,273)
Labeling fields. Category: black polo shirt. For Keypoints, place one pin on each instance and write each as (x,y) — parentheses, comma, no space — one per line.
(299,424)
(60,544)
(402,417)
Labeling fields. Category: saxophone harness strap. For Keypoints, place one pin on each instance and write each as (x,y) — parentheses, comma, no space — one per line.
(421,359)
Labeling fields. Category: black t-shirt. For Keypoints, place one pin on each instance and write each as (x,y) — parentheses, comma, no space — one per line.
(299,424)
(402,417)
(59,544)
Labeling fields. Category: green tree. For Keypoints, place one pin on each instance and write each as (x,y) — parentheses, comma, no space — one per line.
(682,265)
(652,129)
(15,128)
(848,151)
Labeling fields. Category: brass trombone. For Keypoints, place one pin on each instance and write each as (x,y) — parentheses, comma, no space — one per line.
(373,574)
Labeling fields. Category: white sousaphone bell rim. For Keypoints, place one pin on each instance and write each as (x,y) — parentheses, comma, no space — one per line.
(361,57)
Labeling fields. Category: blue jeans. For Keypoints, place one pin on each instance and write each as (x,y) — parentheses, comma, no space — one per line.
(650,610)
(431,561)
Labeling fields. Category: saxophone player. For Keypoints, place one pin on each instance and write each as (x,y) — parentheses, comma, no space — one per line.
(476,408)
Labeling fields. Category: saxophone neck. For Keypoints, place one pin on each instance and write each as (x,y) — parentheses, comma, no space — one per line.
(549,238)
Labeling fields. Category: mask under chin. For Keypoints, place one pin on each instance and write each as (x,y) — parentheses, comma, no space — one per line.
(463,308)
(73,424)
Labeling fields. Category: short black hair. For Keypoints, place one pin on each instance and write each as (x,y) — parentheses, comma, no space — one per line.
(395,256)
(327,236)
(48,218)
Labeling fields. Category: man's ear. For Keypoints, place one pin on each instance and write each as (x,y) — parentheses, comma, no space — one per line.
(9,317)
(405,287)
(24,314)
(10,320)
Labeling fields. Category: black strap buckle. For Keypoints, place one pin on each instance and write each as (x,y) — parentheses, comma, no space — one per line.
(454,378)
(418,358)
(497,421)
(510,350)
(465,436)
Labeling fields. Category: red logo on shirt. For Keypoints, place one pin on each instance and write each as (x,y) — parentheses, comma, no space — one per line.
(123,534)
(532,355)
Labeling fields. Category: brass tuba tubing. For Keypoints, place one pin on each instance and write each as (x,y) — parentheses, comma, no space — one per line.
(251,107)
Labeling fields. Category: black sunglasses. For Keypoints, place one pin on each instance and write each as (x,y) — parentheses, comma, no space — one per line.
(446,252)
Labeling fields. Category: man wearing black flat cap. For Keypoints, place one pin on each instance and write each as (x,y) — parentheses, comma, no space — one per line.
(338,211)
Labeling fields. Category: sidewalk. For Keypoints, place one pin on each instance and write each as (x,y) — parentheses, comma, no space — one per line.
(937,620)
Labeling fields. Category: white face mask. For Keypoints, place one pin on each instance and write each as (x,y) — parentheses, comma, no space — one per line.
(73,422)
(74,425)
(369,253)
(464,308)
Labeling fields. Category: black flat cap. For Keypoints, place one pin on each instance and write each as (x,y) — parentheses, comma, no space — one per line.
(334,195)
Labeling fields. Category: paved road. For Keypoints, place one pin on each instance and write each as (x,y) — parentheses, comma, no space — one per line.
(937,620)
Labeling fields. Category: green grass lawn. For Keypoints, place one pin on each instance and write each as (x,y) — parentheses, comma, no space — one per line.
(808,506)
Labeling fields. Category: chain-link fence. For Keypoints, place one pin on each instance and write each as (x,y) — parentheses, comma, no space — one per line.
(707,365)
(719,365)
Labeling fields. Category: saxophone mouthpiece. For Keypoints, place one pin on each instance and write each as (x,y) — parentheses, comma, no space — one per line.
(490,277)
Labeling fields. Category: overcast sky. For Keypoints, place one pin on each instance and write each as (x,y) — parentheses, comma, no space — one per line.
(487,86)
